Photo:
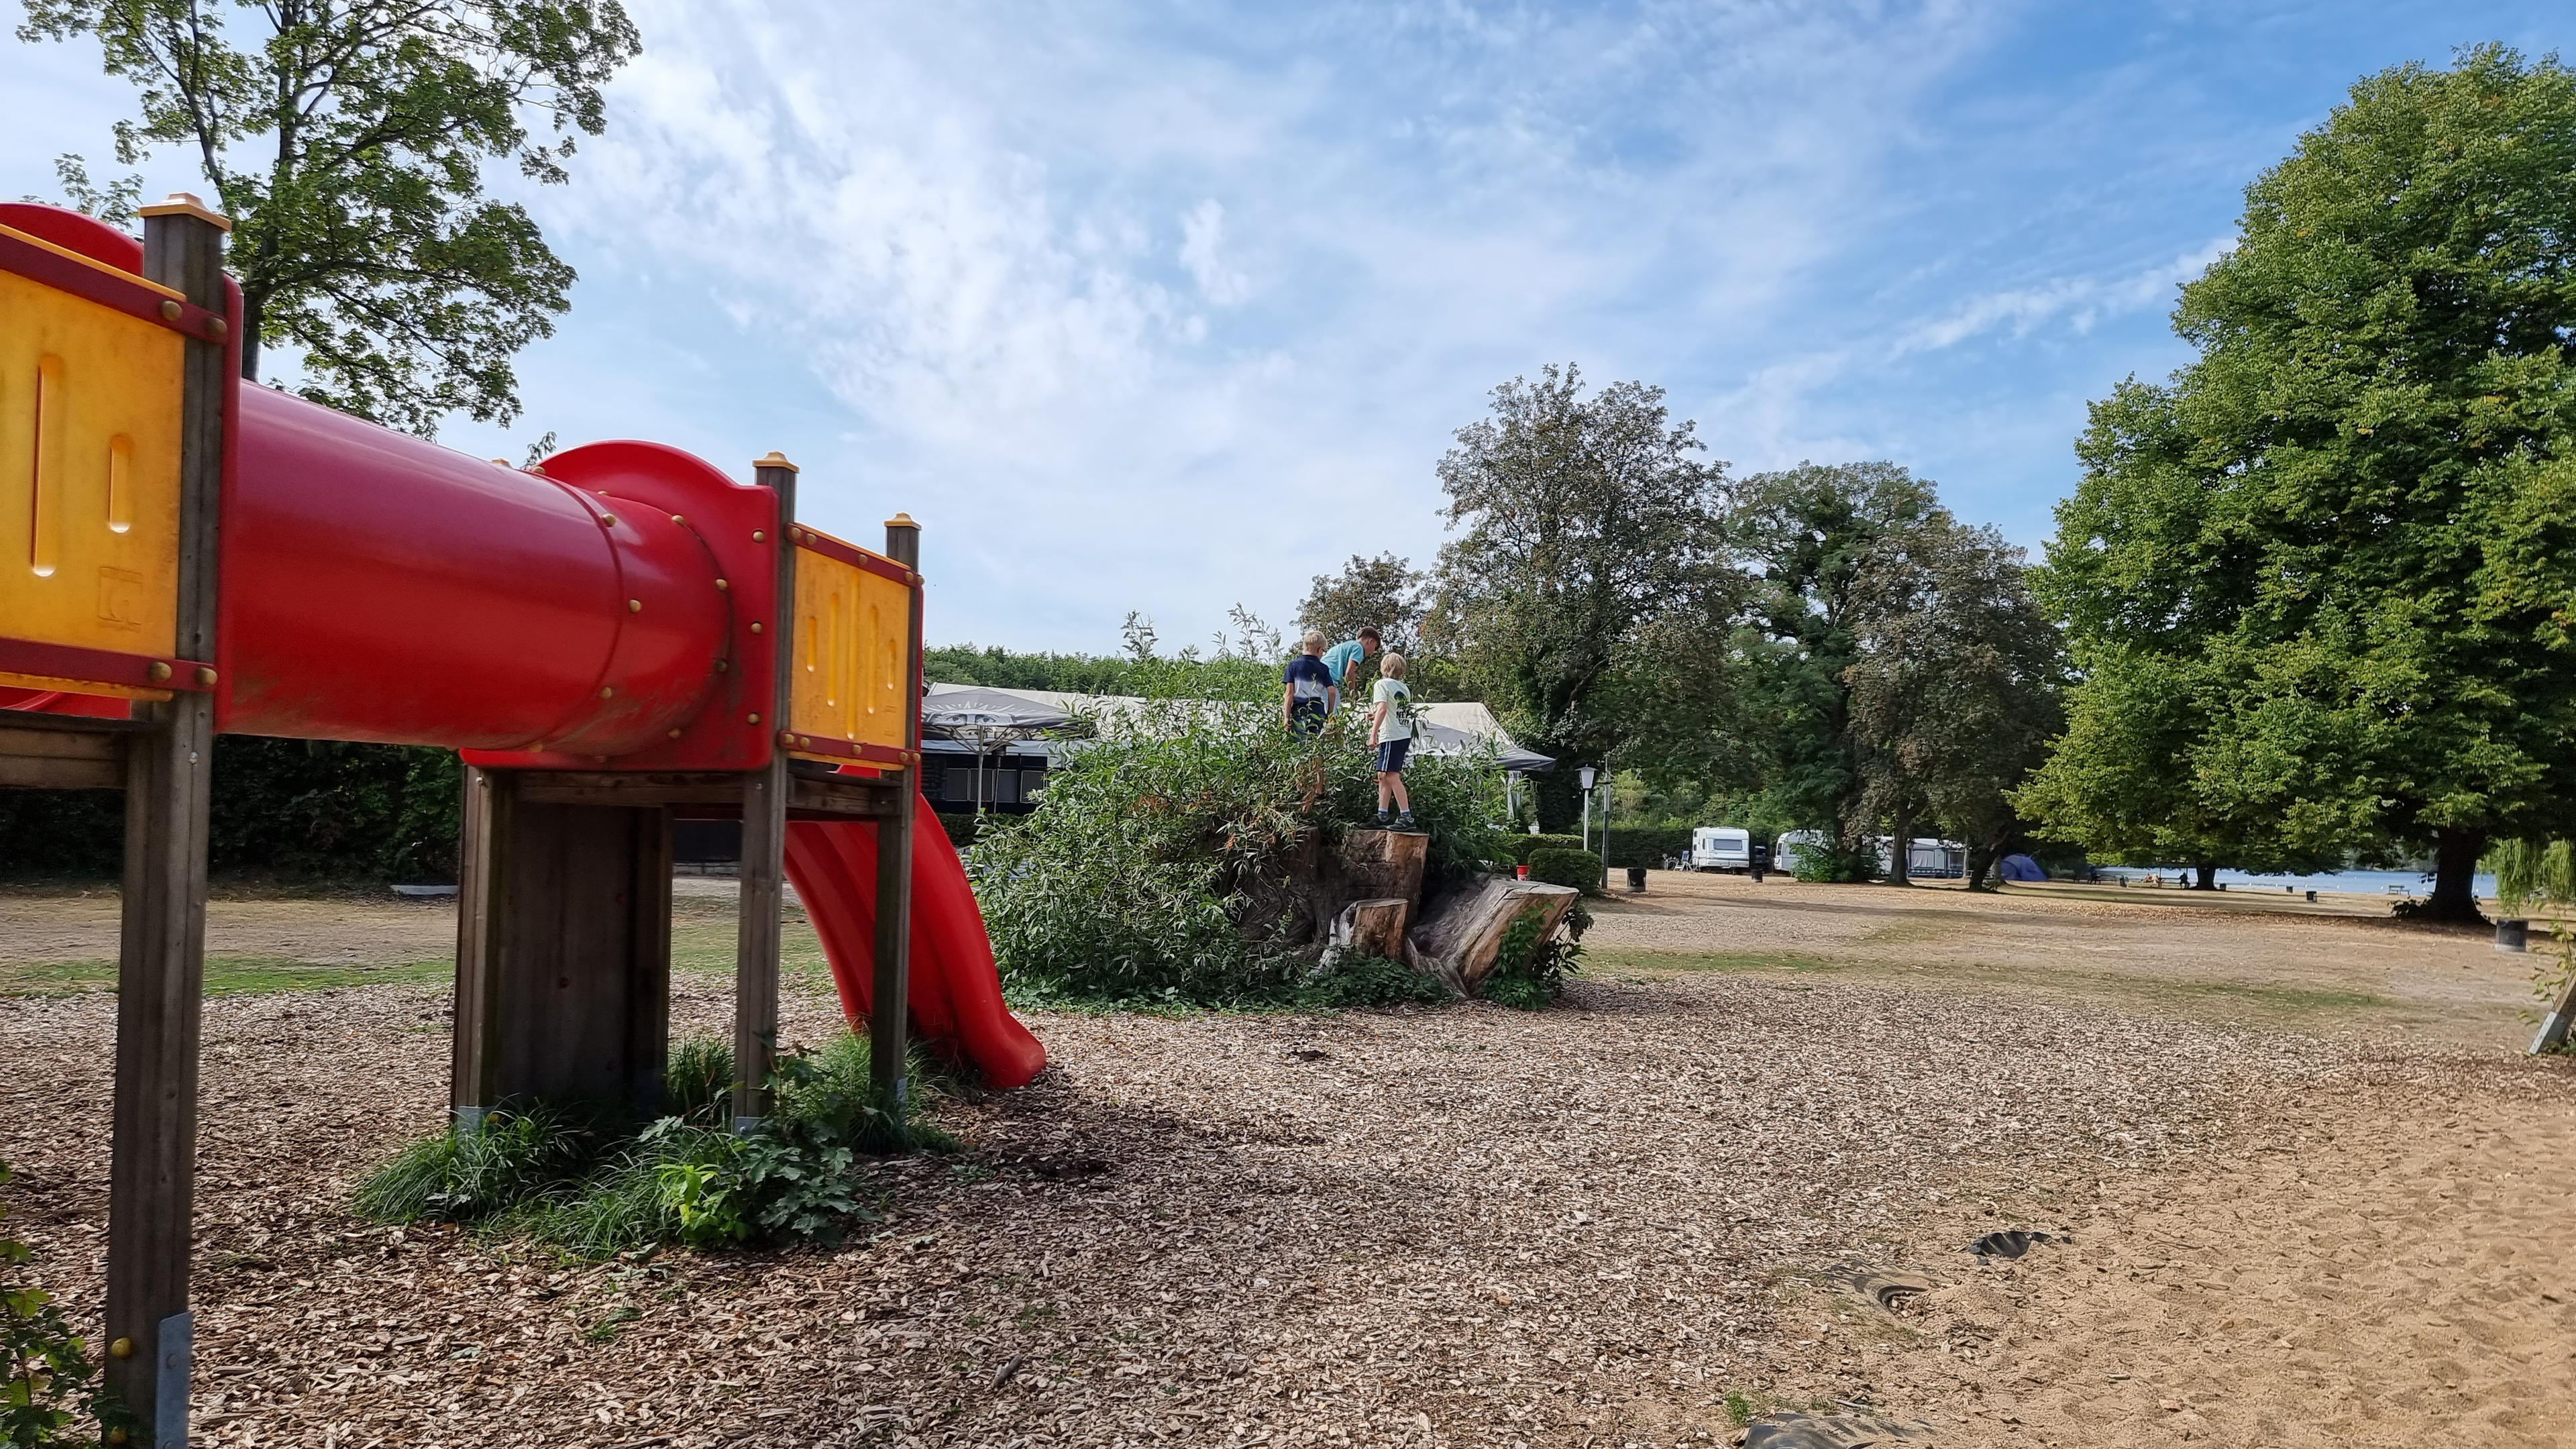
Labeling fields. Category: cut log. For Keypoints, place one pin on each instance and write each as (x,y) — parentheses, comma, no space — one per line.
(1373,928)
(1458,939)
(1384,864)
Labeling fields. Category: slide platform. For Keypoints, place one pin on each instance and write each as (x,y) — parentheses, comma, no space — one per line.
(956,990)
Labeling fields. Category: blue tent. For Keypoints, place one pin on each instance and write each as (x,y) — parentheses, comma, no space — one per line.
(2019,867)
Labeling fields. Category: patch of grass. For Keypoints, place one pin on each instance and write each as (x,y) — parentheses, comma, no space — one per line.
(1634,958)
(225,976)
(698,1082)
(606,1329)
(2285,998)
(517,1157)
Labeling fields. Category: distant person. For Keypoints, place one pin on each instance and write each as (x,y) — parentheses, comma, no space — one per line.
(1345,658)
(1391,735)
(1306,692)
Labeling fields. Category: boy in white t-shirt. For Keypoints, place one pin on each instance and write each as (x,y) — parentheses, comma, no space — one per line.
(1391,735)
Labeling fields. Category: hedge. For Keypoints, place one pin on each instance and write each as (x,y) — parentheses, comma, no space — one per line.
(1523,846)
(1648,846)
(297,807)
(1580,869)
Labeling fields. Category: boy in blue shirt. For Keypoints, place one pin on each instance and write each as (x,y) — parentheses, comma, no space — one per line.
(1345,658)
(1306,690)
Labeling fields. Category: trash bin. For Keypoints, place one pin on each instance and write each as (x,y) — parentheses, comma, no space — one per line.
(1636,880)
(2513,935)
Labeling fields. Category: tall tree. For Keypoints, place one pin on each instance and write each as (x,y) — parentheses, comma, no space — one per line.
(2347,524)
(1805,534)
(1954,695)
(1587,580)
(1384,593)
(347,140)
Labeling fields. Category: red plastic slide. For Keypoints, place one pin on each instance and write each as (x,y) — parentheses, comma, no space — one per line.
(956,991)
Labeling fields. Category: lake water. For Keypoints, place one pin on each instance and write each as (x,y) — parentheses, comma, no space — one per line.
(2351,882)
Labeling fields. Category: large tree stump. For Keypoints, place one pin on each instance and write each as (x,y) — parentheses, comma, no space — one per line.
(1459,938)
(1373,928)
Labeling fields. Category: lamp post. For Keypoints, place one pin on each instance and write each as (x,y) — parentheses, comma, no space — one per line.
(1588,774)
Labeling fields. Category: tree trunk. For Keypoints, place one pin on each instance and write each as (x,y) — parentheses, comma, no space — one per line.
(2205,875)
(2455,874)
(1981,858)
(1900,850)
(253,310)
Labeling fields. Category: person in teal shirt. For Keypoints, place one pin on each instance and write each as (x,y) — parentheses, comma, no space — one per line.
(1344,660)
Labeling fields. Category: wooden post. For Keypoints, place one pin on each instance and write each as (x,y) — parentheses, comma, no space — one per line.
(764,839)
(152,1165)
(893,955)
(482,906)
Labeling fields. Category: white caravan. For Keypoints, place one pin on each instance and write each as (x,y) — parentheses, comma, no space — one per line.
(1721,847)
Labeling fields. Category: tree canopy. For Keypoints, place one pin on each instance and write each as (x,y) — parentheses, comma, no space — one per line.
(347,141)
(1384,593)
(1804,535)
(2334,551)
(1954,690)
(1587,575)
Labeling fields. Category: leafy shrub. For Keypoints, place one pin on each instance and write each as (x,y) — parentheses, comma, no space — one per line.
(1832,865)
(1367,981)
(1580,869)
(47,1383)
(539,1174)
(1524,846)
(1529,974)
(1142,876)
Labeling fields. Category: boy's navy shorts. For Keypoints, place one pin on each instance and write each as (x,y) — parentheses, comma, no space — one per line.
(1390,755)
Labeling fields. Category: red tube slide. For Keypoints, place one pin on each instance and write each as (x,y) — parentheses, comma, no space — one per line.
(956,991)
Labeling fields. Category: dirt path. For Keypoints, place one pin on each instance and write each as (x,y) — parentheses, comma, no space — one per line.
(2376,1279)
(2341,964)
(1606,1225)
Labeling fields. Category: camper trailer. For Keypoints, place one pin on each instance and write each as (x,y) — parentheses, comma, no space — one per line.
(1721,847)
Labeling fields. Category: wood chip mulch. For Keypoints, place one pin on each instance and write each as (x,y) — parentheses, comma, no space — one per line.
(1455,1226)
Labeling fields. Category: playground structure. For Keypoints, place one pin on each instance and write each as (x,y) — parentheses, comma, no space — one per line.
(618,640)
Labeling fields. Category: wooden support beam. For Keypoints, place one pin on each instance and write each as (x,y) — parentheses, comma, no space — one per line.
(61,759)
(483,871)
(764,794)
(151,1196)
(891,988)
(705,795)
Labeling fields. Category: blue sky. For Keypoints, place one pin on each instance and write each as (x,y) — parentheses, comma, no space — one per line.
(1171,307)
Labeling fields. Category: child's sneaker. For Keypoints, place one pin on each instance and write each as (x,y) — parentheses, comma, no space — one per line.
(1404,821)
(1382,820)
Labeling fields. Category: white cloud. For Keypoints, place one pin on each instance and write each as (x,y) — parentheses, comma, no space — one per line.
(1203,254)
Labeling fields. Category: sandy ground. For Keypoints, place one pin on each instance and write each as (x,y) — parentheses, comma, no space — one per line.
(2312,1195)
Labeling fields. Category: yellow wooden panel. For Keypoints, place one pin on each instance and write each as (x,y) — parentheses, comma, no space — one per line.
(89,473)
(850,678)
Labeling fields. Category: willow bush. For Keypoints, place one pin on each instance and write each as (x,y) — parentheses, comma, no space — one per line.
(1139,878)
